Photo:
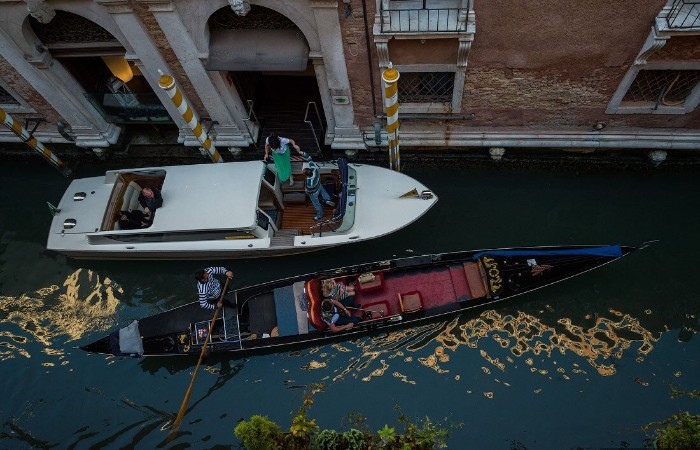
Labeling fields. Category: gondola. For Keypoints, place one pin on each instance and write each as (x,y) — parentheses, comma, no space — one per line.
(282,314)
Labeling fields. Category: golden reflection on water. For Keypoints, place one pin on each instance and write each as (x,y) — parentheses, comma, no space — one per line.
(521,338)
(85,302)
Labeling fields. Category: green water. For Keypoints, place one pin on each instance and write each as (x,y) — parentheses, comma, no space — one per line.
(581,364)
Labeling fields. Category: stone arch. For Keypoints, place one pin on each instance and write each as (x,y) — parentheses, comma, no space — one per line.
(198,24)
(88,11)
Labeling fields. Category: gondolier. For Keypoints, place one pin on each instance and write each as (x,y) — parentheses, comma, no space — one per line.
(209,288)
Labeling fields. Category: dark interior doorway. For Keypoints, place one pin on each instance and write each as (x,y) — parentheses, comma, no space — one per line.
(280,101)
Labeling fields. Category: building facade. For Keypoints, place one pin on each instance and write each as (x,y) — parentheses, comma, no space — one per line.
(473,74)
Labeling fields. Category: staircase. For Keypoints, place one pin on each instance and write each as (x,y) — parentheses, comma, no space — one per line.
(282,109)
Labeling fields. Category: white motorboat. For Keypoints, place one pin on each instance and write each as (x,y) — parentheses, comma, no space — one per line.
(232,210)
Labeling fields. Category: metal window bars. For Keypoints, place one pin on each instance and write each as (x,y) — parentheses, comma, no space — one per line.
(684,14)
(422,87)
(662,87)
(442,20)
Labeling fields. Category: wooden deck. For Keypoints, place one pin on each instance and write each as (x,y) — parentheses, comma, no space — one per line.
(300,216)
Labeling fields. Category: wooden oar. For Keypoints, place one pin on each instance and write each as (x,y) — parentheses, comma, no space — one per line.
(183,407)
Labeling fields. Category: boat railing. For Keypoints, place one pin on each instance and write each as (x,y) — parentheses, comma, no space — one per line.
(334,222)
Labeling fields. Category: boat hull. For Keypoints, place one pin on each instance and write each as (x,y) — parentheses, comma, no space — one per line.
(283,314)
(232,210)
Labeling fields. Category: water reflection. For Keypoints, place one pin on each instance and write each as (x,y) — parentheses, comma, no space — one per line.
(86,302)
(518,338)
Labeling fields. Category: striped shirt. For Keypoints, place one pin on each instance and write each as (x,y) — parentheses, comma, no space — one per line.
(313,183)
(210,291)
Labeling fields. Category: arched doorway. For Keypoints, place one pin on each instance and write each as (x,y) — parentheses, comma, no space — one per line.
(114,86)
(266,58)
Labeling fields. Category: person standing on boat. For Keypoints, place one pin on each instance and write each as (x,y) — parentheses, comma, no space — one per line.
(336,315)
(150,200)
(314,188)
(209,288)
(278,147)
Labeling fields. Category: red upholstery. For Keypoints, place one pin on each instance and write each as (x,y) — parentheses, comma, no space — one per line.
(410,301)
(313,292)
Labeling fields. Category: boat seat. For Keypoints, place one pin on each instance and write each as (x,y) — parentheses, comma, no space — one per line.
(410,301)
(378,309)
(313,293)
(130,200)
(477,284)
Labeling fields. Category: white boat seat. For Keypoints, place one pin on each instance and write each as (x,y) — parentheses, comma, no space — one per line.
(130,201)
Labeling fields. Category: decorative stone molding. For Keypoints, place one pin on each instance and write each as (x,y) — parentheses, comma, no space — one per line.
(656,157)
(382,51)
(40,10)
(653,43)
(116,6)
(463,52)
(497,153)
(240,7)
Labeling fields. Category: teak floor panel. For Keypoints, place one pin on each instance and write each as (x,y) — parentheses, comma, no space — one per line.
(300,216)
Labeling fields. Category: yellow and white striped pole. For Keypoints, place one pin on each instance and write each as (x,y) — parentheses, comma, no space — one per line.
(168,84)
(391,103)
(32,142)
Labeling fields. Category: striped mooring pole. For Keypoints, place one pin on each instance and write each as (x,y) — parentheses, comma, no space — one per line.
(168,84)
(391,103)
(32,142)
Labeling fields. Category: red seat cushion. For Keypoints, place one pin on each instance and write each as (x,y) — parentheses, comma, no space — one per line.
(410,301)
(313,292)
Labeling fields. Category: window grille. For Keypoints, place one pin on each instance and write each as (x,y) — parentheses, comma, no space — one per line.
(662,87)
(684,14)
(6,98)
(424,87)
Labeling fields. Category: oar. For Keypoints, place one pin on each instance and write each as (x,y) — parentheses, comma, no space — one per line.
(183,407)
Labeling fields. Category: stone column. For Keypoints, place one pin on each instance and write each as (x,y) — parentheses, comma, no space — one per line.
(227,130)
(146,55)
(346,135)
(58,87)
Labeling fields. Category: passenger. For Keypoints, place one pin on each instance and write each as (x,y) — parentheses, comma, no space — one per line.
(314,187)
(150,200)
(331,315)
(337,290)
(132,220)
(209,288)
(278,146)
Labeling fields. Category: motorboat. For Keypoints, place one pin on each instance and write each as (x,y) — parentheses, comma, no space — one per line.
(232,210)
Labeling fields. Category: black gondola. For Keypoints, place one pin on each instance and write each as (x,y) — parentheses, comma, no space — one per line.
(278,315)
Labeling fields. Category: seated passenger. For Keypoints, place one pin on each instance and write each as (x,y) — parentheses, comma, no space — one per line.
(150,200)
(331,315)
(132,220)
(337,290)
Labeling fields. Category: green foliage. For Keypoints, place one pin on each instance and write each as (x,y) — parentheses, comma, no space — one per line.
(326,440)
(386,436)
(302,428)
(260,433)
(682,432)
(354,440)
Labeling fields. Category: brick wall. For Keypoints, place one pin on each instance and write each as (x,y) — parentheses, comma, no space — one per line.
(15,81)
(355,48)
(168,54)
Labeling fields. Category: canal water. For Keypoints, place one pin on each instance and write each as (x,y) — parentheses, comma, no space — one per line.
(582,364)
